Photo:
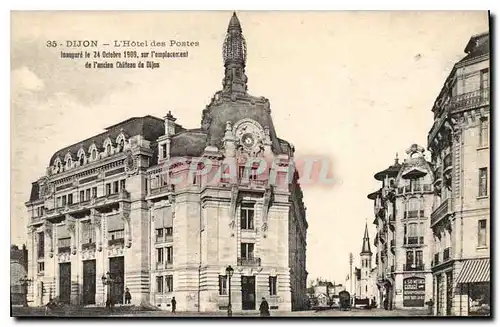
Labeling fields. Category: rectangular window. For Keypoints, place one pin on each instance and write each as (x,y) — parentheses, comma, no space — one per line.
(484,133)
(159,284)
(58,201)
(63,202)
(409,259)
(41,245)
(87,194)
(419,259)
(159,235)
(94,192)
(159,255)
(70,198)
(41,267)
(82,196)
(108,189)
(481,233)
(169,231)
(170,254)
(88,232)
(247,250)
(485,79)
(169,283)
(272,285)
(122,185)
(164,151)
(483,181)
(247,214)
(115,187)
(222,285)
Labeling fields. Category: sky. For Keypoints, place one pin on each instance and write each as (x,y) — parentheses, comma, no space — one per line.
(354,87)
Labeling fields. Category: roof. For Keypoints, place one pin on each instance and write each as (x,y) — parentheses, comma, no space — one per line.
(477,50)
(35,191)
(190,143)
(149,127)
(391,171)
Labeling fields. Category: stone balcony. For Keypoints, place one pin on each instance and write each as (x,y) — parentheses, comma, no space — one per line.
(94,203)
(444,210)
(415,188)
(414,267)
(470,100)
(254,262)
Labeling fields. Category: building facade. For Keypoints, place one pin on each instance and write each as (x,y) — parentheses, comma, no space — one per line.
(402,215)
(162,210)
(18,271)
(460,221)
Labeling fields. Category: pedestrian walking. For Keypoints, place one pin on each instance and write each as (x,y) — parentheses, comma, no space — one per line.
(430,307)
(128,297)
(174,303)
(264,308)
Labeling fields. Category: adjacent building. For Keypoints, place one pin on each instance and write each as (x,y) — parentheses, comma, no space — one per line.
(18,271)
(460,145)
(162,210)
(402,207)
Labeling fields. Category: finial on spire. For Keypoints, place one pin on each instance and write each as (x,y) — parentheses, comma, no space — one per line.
(234,54)
(396,161)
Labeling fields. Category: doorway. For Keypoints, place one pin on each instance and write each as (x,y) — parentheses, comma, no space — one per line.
(89,282)
(117,272)
(65,282)
(248,292)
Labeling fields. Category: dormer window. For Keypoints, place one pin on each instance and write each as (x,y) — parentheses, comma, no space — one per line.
(94,154)
(68,163)
(122,145)
(82,160)
(108,149)
(59,167)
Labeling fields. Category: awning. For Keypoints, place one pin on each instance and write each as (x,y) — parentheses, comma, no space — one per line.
(474,271)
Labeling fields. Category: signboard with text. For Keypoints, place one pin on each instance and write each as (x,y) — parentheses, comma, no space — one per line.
(413,292)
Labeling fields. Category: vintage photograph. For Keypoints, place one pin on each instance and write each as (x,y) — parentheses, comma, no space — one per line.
(250,164)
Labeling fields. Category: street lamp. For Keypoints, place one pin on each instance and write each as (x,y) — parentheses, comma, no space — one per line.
(106,280)
(229,274)
(25,281)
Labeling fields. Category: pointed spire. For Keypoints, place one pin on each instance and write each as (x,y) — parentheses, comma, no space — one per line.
(396,161)
(234,23)
(366,242)
(234,54)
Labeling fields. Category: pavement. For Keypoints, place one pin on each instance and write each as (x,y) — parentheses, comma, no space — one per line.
(142,312)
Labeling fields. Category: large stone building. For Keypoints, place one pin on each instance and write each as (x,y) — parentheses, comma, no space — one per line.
(459,141)
(403,206)
(162,210)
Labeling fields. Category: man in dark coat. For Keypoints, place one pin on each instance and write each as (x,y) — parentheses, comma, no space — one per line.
(174,303)
(264,308)
(128,297)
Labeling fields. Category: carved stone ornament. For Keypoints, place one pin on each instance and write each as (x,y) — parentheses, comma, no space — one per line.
(232,208)
(131,164)
(250,135)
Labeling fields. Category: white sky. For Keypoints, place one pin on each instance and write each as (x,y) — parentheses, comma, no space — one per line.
(356,87)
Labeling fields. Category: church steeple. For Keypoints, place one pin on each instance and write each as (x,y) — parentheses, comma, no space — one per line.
(366,242)
(234,54)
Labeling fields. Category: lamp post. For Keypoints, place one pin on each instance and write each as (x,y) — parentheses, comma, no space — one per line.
(25,281)
(107,280)
(229,274)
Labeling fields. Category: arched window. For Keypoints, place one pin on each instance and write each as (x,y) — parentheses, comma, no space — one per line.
(108,149)
(82,160)
(122,145)
(94,154)
(68,163)
(59,167)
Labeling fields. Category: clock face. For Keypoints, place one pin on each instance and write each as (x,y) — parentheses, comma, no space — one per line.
(248,140)
(249,132)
